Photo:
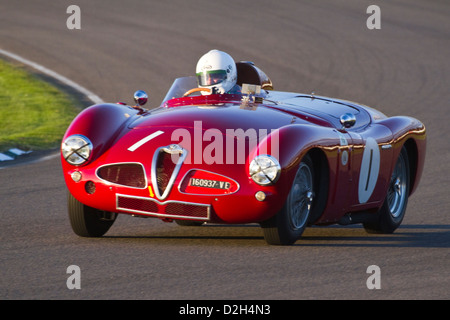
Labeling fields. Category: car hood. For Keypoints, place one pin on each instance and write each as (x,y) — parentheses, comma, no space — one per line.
(226,116)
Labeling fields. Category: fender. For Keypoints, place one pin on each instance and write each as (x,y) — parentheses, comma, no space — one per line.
(102,124)
(405,127)
(410,133)
(293,142)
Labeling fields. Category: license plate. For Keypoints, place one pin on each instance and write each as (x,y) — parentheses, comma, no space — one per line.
(205,183)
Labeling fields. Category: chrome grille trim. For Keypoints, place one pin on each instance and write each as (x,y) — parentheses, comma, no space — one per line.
(171,149)
(164,203)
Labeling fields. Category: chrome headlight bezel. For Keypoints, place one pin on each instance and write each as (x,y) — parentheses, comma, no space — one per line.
(76,149)
(264,170)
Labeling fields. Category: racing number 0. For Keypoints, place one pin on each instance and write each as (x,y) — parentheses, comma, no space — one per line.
(370,167)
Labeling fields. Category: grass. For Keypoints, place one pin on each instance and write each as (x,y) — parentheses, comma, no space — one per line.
(33,113)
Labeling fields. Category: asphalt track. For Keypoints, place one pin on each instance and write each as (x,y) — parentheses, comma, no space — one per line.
(304,46)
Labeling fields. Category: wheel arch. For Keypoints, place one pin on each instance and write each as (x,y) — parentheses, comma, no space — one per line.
(413,159)
(413,133)
(321,182)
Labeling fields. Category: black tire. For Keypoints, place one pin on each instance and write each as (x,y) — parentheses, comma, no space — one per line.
(288,224)
(87,221)
(392,212)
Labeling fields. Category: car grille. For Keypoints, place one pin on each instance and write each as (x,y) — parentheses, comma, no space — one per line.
(126,174)
(169,209)
(164,170)
(166,164)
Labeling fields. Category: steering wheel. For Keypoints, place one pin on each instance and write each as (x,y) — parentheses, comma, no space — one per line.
(189,92)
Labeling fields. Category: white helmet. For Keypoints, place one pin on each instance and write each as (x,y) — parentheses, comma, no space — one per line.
(216,69)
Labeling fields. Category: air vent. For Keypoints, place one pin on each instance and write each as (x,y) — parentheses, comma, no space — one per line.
(125,174)
(169,209)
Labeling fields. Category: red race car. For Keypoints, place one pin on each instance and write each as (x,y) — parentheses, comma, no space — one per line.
(283,160)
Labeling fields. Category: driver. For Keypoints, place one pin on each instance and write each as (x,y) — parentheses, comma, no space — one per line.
(216,71)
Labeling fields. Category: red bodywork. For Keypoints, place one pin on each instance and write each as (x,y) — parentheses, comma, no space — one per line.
(123,174)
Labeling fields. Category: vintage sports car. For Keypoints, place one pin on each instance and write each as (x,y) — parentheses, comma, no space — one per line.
(283,160)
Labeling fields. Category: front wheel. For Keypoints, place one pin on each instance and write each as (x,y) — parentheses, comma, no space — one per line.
(288,224)
(391,214)
(87,221)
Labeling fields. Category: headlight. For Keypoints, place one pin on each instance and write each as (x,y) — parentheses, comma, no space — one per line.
(265,170)
(76,149)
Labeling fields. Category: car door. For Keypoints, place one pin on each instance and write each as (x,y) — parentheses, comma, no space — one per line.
(371,161)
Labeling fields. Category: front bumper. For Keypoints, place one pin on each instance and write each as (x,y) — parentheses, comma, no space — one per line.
(240,206)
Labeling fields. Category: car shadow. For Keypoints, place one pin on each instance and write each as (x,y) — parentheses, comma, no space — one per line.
(406,236)
(412,236)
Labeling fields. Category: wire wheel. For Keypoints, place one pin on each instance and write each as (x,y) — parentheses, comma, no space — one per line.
(301,197)
(288,224)
(393,210)
(397,189)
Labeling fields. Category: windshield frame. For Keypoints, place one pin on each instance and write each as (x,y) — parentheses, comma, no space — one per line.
(180,86)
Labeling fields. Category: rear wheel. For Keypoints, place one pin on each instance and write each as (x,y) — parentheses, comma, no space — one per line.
(391,214)
(288,224)
(87,221)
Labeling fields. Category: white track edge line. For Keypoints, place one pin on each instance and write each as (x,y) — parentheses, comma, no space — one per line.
(89,94)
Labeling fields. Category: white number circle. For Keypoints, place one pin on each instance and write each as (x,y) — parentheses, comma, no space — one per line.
(370,167)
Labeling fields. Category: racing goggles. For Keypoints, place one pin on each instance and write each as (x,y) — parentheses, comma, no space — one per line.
(210,78)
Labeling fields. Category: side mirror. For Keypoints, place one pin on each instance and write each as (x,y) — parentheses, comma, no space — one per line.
(347,120)
(140,97)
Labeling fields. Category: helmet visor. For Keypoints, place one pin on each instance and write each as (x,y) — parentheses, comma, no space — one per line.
(210,78)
